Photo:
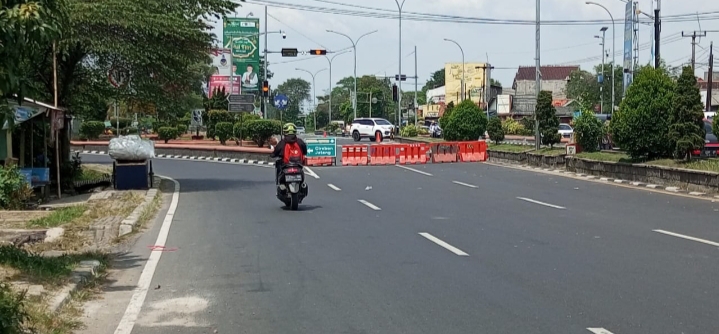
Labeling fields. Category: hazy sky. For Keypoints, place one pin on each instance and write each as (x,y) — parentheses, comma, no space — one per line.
(506,46)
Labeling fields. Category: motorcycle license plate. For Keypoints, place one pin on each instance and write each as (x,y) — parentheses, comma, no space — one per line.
(293,178)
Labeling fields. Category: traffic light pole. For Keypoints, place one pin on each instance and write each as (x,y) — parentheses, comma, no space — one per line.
(263,98)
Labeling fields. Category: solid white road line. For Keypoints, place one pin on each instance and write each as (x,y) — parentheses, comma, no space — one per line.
(143,284)
(414,170)
(369,205)
(716,244)
(541,203)
(447,246)
(464,184)
(599,331)
(333,187)
(311,173)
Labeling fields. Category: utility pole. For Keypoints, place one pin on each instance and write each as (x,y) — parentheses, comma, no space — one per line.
(694,36)
(657,33)
(538,84)
(416,82)
(710,79)
(264,101)
(485,84)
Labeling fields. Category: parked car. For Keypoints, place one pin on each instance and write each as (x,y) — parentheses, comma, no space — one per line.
(300,130)
(371,128)
(565,130)
(711,143)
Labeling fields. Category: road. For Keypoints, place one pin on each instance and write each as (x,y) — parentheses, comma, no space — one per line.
(453,248)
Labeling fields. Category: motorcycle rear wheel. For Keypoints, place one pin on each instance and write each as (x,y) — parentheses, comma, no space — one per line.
(294,201)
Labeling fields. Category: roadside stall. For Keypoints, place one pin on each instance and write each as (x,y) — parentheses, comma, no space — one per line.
(132,168)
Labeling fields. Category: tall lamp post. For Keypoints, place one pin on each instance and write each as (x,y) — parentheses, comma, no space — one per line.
(399,54)
(614,44)
(314,93)
(354,49)
(461,50)
(329,60)
(601,84)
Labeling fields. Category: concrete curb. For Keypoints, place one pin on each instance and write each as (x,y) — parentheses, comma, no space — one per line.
(186,157)
(676,190)
(85,271)
(129,223)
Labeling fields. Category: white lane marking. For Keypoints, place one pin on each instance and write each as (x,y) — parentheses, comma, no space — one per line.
(704,241)
(311,173)
(599,331)
(143,284)
(541,203)
(447,246)
(369,205)
(414,170)
(464,184)
(333,187)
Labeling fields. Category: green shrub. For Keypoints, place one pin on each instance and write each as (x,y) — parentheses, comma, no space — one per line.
(715,126)
(687,131)
(408,131)
(588,131)
(548,120)
(13,315)
(495,129)
(512,127)
(129,131)
(181,128)
(124,122)
(223,130)
(217,116)
(92,129)
(466,122)
(167,133)
(641,125)
(14,190)
(527,125)
(444,120)
(422,131)
(262,129)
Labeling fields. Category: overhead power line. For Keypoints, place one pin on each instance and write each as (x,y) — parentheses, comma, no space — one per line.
(382,13)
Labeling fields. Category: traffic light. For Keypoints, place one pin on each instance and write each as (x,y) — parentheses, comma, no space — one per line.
(266,88)
(395,93)
(318,52)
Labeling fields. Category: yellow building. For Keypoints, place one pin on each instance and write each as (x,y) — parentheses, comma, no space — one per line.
(474,82)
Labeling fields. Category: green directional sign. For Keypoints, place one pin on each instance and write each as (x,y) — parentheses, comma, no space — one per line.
(321,148)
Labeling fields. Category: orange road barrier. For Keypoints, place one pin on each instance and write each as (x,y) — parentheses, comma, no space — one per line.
(413,154)
(472,151)
(383,154)
(319,161)
(445,152)
(354,155)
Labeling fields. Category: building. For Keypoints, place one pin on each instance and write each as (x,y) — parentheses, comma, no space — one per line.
(553,79)
(703,84)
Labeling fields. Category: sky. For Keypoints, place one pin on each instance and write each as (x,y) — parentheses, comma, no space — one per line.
(505,46)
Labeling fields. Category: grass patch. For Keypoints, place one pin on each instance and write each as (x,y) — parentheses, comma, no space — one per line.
(35,268)
(708,165)
(90,174)
(510,148)
(149,211)
(607,156)
(554,151)
(59,217)
(424,139)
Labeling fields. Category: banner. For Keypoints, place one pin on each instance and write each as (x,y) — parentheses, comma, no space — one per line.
(223,82)
(241,36)
(474,81)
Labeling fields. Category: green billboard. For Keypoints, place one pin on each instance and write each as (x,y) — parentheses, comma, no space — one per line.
(242,37)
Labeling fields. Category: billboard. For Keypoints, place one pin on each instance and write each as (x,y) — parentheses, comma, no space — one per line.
(628,43)
(222,81)
(221,62)
(242,36)
(474,81)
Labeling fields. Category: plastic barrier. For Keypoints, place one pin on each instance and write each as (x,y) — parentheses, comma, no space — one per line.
(383,154)
(354,155)
(472,151)
(445,152)
(413,154)
(319,161)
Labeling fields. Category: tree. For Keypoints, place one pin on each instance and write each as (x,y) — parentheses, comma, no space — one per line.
(585,87)
(495,130)
(435,80)
(494,82)
(467,122)
(641,125)
(297,91)
(447,114)
(588,130)
(687,128)
(548,120)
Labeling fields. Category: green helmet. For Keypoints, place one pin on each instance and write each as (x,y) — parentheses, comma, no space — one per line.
(289,129)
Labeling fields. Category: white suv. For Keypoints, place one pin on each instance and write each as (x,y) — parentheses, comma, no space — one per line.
(371,128)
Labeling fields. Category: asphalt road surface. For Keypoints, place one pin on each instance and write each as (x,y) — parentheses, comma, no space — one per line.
(460,248)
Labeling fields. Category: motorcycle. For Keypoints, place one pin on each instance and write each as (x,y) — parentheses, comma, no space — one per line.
(291,188)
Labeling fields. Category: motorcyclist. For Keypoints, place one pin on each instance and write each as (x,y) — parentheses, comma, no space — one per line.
(290,136)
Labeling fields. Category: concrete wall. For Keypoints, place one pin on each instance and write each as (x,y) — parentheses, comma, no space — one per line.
(557,87)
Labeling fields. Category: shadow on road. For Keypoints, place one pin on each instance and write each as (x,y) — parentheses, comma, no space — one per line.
(200,185)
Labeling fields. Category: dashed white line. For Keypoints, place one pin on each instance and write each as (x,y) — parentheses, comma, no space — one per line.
(541,203)
(599,331)
(464,184)
(311,173)
(414,170)
(445,245)
(369,205)
(704,241)
(334,187)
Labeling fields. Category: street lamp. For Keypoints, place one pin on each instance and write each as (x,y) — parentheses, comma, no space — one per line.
(601,84)
(399,54)
(461,50)
(329,60)
(354,49)
(250,14)
(614,44)
(314,95)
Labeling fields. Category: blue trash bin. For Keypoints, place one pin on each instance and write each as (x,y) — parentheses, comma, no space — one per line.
(132,175)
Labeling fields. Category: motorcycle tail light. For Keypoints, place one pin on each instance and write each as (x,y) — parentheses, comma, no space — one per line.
(293,170)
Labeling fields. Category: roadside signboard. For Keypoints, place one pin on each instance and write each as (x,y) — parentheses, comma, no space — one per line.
(241,103)
(197,117)
(281,101)
(243,107)
(321,147)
